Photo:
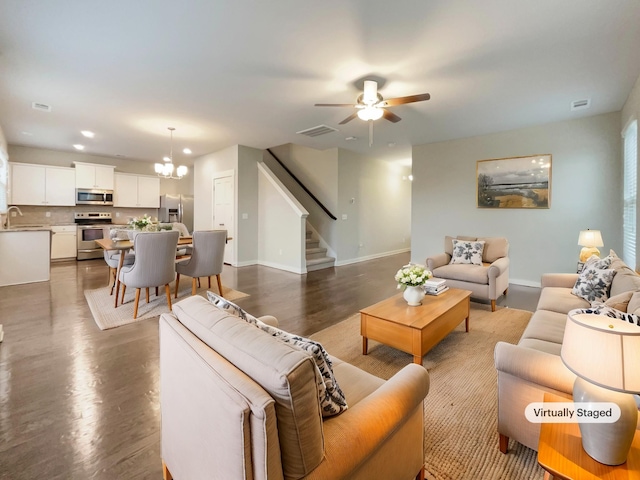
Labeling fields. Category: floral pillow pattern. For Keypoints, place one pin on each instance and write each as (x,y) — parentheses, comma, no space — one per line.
(596,262)
(602,309)
(332,399)
(593,284)
(467,252)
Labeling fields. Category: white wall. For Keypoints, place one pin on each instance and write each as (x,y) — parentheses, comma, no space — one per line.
(281,225)
(631,112)
(247,228)
(585,193)
(377,202)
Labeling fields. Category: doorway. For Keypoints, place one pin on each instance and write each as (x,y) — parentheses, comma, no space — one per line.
(223,210)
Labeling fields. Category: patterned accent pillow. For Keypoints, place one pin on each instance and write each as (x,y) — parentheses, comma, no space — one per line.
(593,284)
(467,252)
(332,400)
(599,263)
(602,309)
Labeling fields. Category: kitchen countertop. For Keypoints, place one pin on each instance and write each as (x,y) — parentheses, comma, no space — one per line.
(27,228)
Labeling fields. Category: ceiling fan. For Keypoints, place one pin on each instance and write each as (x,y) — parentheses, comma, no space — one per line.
(370,105)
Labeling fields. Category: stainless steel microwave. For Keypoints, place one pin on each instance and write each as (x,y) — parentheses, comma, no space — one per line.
(88,196)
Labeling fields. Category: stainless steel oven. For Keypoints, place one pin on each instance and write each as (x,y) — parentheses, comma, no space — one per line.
(91,227)
(87,196)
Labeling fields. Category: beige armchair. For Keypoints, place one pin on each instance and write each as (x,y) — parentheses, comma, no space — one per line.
(237,403)
(488,281)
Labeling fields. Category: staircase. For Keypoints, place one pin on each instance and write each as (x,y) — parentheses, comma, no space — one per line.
(316,256)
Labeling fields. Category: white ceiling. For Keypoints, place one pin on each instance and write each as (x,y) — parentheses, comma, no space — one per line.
(245,72)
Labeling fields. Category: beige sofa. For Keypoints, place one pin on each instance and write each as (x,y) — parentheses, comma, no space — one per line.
(237,403)
(489,280)
(532,367)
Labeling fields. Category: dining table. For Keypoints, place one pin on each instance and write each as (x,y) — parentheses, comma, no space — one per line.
(124,245)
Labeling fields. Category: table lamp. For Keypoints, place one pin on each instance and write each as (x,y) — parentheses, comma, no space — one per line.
(604,353)
(589,240)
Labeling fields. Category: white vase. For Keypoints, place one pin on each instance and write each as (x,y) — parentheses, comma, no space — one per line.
(414,295)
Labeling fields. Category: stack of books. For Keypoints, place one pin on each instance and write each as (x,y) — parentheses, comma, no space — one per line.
(435,286)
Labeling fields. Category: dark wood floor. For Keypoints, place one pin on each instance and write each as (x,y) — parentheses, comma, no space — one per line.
(80,403)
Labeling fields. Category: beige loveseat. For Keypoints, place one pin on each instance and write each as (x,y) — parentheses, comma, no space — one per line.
(489,280)
(532,367)
(237,403)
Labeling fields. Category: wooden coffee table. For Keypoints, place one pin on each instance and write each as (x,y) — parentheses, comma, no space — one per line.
(414,330)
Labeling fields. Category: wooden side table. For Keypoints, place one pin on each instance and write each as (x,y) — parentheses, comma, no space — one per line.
(561,455)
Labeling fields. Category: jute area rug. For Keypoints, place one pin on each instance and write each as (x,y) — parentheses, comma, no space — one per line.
(107,316)
(461,409)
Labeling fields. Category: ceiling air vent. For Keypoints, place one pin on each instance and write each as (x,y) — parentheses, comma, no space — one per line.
(43,107)
(317,131)
(581,104)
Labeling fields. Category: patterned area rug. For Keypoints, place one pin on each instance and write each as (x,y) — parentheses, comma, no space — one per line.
(461,410)
(106,316)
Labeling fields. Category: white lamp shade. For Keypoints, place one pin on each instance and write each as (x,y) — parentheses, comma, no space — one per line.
(602,350)
(590,238)
(182,171)
(159,167)
(370,113)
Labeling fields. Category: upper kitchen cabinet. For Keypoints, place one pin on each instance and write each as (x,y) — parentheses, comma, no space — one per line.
(90,175)
(42,185)
(137,191)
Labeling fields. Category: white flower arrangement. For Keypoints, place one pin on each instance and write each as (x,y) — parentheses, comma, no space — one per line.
(412,276)
(141,223)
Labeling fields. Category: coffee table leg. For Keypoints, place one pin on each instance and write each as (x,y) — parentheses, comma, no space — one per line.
(365,345)
(466,320)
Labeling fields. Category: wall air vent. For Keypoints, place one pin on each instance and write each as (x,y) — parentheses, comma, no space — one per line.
(43,107)
(317,131)
(581,104)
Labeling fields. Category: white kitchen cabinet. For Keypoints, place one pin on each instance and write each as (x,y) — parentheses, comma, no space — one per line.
(63,242)
(89,175)
(137,191)
(42,185)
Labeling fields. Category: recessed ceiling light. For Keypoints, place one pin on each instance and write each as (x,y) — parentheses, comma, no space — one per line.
(77,146)
(166,159)
(350,139)
(391,144)
(28,134)
(187,151)
(88,133)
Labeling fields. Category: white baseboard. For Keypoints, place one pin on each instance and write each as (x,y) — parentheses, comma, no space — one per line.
(279,266)
(246,263)
(371,257)
(525,283)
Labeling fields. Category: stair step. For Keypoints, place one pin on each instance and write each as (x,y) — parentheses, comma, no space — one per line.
(311,243)
(314,253)
(308,234)
(320,263)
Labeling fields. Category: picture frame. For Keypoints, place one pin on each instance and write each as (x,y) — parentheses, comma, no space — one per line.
(516,182)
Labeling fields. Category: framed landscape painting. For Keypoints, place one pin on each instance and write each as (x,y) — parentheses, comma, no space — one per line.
(519,182)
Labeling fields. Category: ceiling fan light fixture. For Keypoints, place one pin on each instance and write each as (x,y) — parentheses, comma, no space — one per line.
(370,113)
(370,94)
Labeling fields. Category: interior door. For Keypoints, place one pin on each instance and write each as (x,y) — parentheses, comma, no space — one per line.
(223,208)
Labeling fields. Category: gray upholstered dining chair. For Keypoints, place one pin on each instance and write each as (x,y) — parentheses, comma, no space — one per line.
(112,258)
(206,259)
(154,264)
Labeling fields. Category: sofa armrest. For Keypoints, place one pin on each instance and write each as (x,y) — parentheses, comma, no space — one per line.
(533,366)
(498,267)
(438,261)
(371,422)
(566,280)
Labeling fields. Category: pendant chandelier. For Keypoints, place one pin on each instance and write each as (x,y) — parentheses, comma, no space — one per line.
(165,170)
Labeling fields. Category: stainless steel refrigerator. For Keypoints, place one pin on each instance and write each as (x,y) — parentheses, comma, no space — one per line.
(176,208)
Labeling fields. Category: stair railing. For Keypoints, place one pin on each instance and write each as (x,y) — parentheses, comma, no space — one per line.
(325,209)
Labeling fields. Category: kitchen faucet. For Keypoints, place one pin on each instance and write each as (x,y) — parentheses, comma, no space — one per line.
(7,223)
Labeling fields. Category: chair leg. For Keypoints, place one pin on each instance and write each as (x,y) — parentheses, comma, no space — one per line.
(124,288)
(420,475)
(166,474)
(168,292)
(209,277)
(506,290)
(147,294)
(198,282)
(156,291)
(135,306)
(193,286)
(219,285)
(493,305)
(112,278)
(504,443)
(177,283)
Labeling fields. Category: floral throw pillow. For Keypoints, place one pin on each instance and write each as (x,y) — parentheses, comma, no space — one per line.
(467,252)
(593,284)
(332,399)
(597,262)
(602,309)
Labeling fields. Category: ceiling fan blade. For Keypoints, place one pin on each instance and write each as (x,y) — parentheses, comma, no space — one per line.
(410,99)
(392,117)
(334,105)
(349,118)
